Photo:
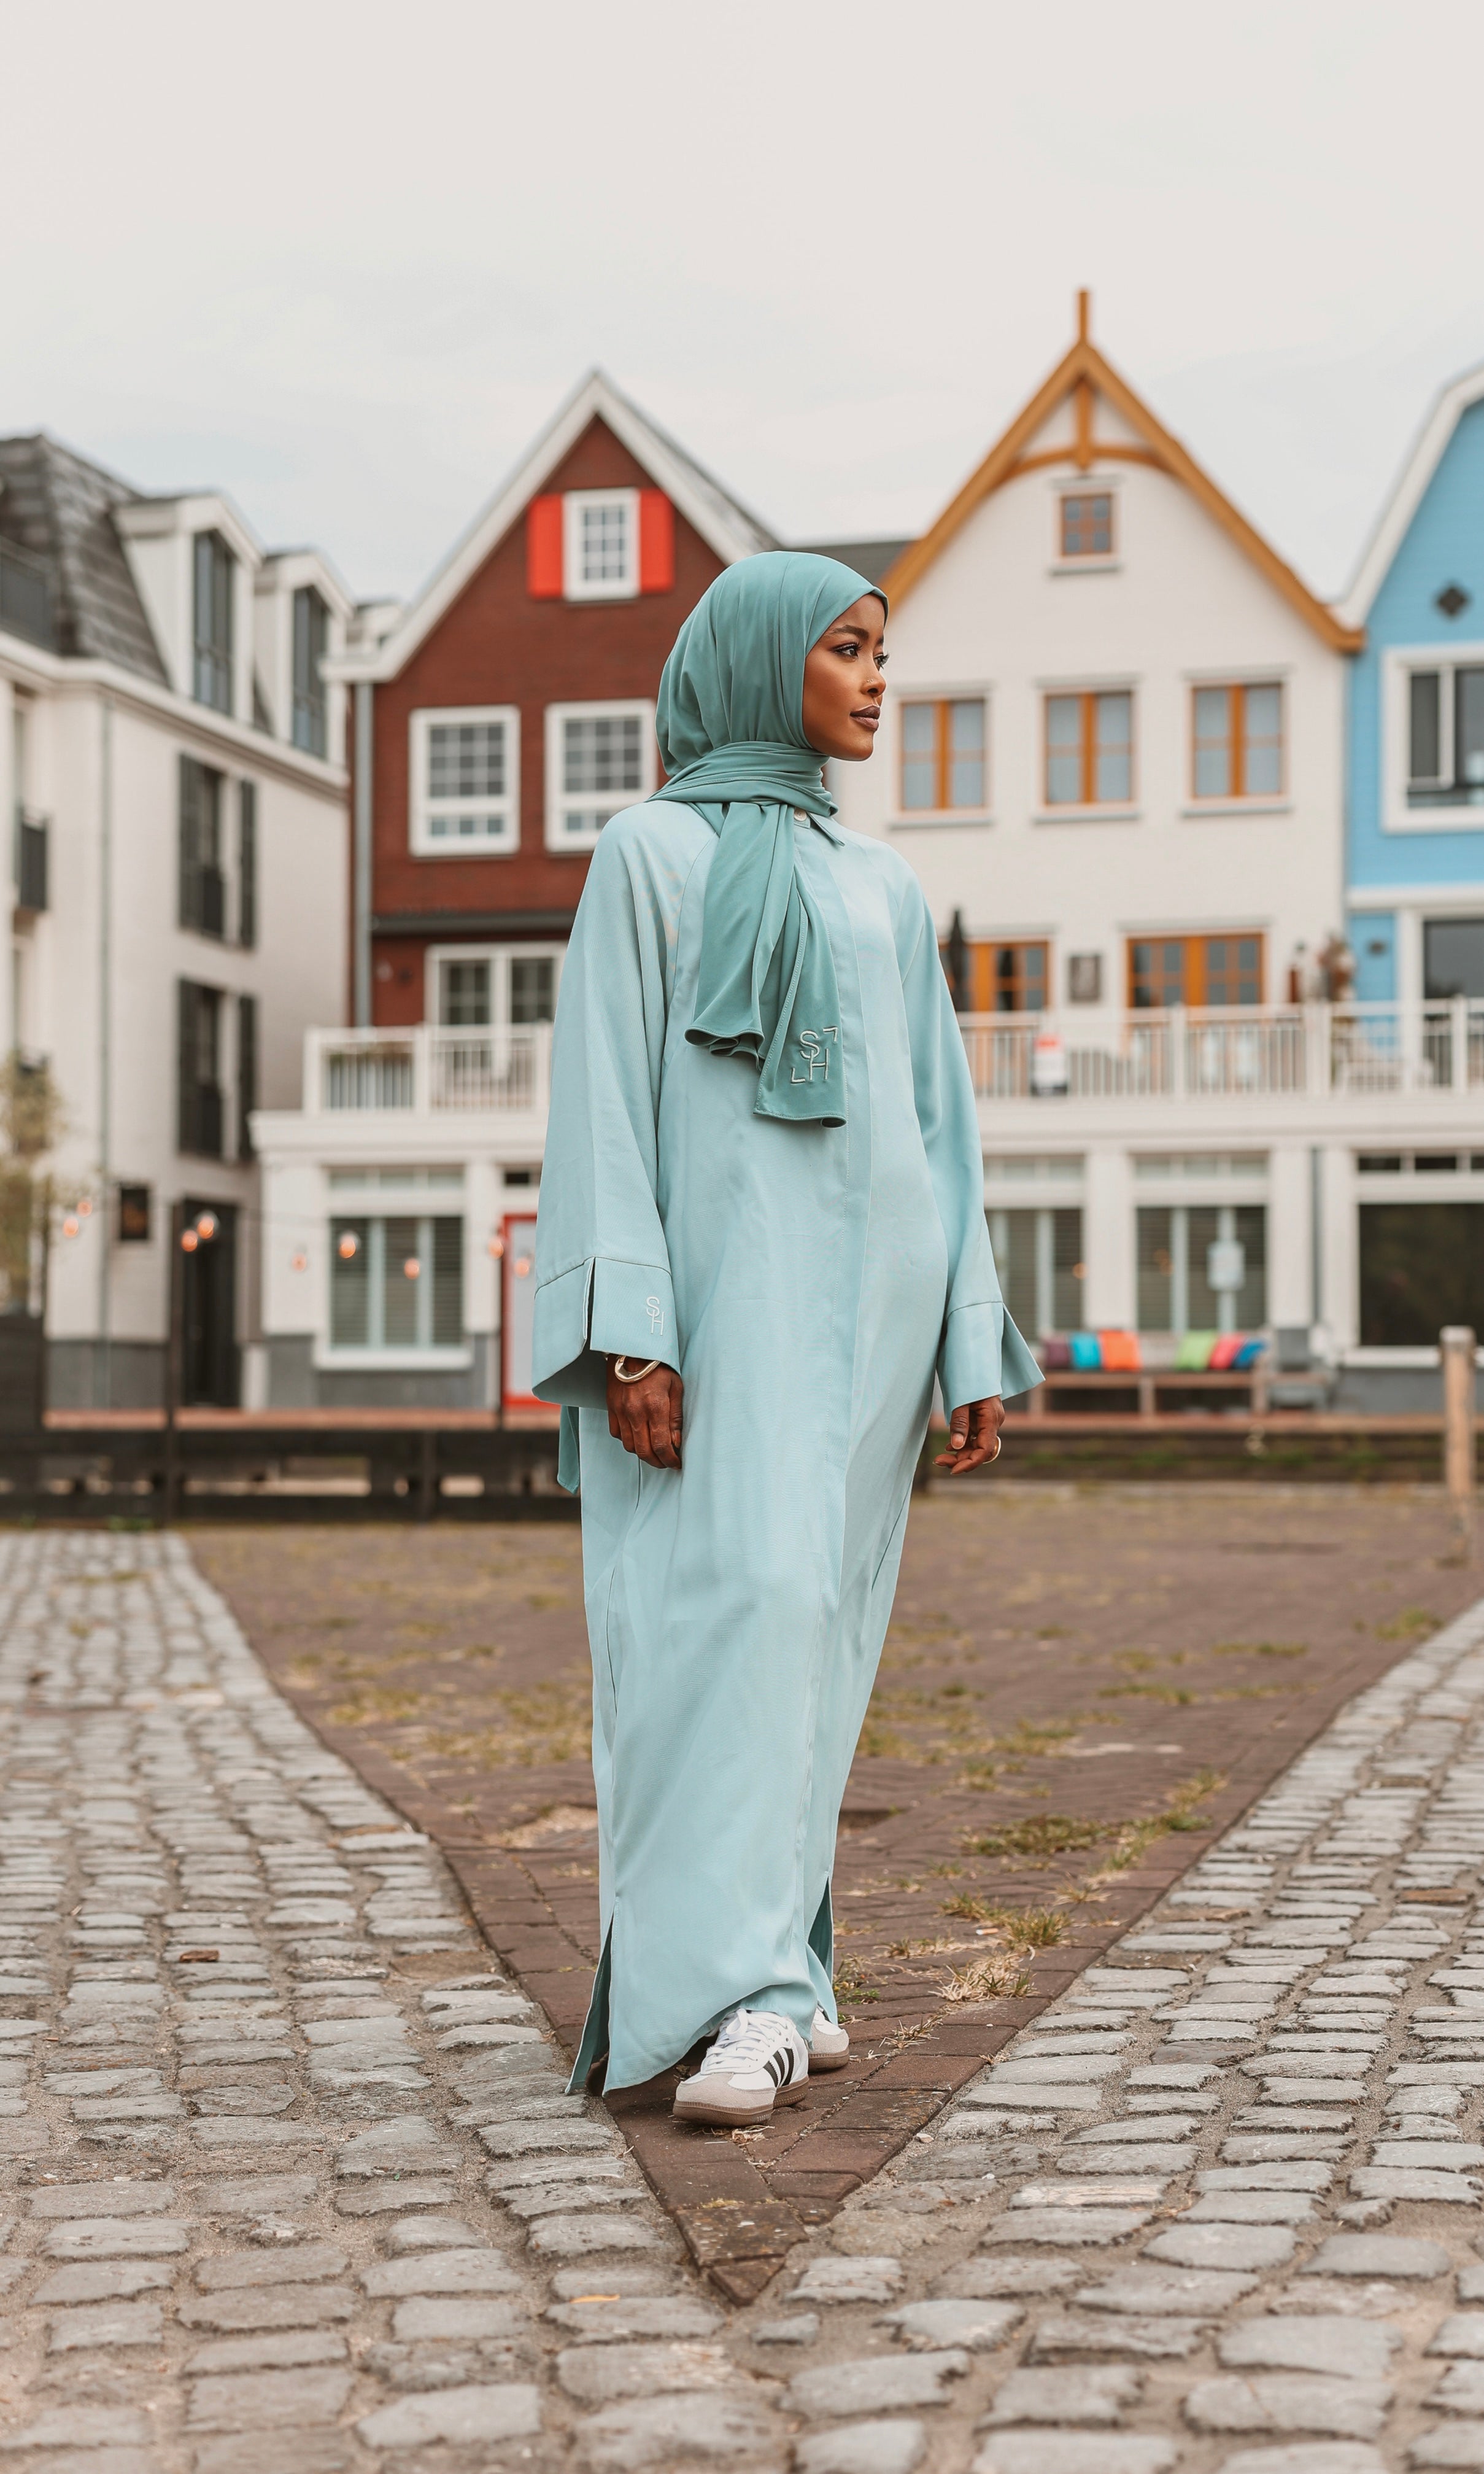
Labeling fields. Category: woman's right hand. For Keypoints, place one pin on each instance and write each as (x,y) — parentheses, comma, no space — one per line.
(645,1416)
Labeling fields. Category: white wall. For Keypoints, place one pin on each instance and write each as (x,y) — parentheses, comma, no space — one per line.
(296,969)
(1179,603)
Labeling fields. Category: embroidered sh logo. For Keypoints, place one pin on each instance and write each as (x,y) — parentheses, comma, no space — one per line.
(815,1055)
(656,1313)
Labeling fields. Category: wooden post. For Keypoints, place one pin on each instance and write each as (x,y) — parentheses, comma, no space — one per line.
(175,1363)
(1458,1350)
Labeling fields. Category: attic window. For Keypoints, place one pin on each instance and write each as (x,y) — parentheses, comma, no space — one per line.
(1086,524)
(602,545)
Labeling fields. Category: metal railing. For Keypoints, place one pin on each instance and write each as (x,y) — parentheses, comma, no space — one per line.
(1238,1052)
(427,1069)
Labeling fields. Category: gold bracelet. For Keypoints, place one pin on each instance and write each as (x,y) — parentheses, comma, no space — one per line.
(638,1373)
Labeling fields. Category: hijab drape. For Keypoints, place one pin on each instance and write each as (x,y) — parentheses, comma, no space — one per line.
(731,730)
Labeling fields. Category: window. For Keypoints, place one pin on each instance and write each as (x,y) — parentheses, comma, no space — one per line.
(397,1284)
(247,1073)
(311,642)
(198,1078)
(1453,957)
(1087,524)
(599,757)
(1195,971)
(1090,749)
(247,864)
(1007,979)
(465,776)
(502,984)
(1238,743)
(1446,737)
(203,882)
(1202,1267)
(1039,1257)
(214,572)
(601,545)
(1421,1266)
(942,755)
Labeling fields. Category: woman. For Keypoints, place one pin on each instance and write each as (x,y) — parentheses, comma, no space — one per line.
(761,1227)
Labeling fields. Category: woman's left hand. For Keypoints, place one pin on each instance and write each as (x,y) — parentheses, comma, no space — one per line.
(973,1436)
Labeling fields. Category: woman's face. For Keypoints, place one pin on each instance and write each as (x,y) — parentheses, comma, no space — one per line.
(844,683)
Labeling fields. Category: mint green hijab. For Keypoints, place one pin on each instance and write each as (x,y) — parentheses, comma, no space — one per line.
(731,730)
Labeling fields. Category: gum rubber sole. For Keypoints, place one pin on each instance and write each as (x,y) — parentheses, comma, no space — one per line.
(727,2117)
(819,2062)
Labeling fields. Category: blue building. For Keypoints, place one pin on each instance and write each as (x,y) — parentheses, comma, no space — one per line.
(1415,882)
(1415,799)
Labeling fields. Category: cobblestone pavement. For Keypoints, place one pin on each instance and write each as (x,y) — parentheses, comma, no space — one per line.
(288,2182)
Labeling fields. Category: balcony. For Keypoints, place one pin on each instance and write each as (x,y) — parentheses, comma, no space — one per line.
(427,1070)
(30,860)
(1241,1053)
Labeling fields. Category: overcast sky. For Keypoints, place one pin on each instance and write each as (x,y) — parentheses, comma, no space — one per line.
(343,262)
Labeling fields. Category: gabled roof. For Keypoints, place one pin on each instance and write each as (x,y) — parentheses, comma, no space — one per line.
(871,559)
(1081,377)
(723,523)
(59,508)
(1407,496)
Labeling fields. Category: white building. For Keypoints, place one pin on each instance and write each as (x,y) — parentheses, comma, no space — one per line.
(1114,753)
(174,764)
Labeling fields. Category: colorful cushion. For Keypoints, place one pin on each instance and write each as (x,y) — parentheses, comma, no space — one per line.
(1249,1353)
(1222,1356)
(1120,1351)
(1054,1355)
(1193,1352)
(1087,1356)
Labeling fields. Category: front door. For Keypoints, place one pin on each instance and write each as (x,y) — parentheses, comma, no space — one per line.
(208,1358)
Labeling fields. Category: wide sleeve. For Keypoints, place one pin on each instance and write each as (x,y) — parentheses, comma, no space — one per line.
(602,1266)
(981,1354)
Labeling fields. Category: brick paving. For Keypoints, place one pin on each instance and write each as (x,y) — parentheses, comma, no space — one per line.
(288,2183)
(1067,1672)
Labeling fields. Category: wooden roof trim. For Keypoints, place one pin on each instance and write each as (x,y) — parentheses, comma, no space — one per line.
(1083,369)
(1182,467)
(920,555)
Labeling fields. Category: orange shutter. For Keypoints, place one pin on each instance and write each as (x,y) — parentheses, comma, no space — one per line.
(544,549)
(657,542)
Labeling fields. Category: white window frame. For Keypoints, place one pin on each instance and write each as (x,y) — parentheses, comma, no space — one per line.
(1398,663)
(557,800)
(575,586)
(383,1356)
(499,958)
(1099,562)
(969,691)
(421,809)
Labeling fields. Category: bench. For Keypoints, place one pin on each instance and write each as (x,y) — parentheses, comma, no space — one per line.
(1149,1381)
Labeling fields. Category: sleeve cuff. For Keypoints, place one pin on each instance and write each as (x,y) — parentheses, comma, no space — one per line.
(599,1308)
(983,1357)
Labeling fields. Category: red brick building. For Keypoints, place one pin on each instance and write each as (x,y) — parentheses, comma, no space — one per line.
(510,711)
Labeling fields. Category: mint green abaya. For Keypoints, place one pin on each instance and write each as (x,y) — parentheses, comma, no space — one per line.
(806,1277)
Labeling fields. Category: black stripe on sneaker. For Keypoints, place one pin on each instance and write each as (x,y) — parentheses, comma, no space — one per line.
(777,2068)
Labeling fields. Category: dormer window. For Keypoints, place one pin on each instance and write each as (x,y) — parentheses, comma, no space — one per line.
(214,572)
(311,636)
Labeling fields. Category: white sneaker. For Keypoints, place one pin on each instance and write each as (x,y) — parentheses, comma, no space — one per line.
(758,2060)
(830,2045)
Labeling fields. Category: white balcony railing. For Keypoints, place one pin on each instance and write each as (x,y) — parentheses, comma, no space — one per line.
(1238,1052)
(429,1070)
(1230,1053)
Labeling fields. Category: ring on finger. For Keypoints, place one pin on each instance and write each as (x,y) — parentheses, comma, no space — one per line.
(998,1448)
